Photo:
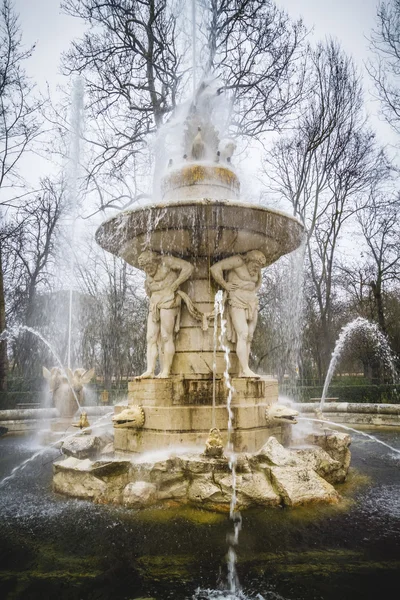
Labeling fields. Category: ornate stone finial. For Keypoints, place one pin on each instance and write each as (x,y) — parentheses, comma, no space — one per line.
(214,445)
(132,417)
(226,148)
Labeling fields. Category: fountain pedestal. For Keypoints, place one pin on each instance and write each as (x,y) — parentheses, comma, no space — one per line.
(201,222)
(178,412)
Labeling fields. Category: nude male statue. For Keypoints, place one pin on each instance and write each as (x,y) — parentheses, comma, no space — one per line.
(164,275)
(242,284)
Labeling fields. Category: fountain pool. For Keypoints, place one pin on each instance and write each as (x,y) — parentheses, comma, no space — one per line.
(56,547)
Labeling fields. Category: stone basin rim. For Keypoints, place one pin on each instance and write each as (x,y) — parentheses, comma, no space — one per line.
(203,202)
(116,232)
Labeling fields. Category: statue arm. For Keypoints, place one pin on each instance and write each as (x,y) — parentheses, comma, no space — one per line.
(177,264)
(217,270)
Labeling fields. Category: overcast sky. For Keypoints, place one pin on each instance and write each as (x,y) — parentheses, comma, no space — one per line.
(350,21)
(43,23)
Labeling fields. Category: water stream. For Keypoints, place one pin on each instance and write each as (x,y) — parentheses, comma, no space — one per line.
(235,516)
(15,331)
(357,431)
(72,187)
(53,444)
(381,344)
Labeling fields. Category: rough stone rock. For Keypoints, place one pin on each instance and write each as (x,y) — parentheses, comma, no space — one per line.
(79,484)
(298,486)
(108,449)
(174,491)
(322,463)
(203,490)
(85,446)
(73,463)
(139,494)
(273,453)
(336,444)
(259,490)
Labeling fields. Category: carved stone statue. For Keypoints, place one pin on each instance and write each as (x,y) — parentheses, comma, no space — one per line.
(243,280)
(164,275)
(67,388)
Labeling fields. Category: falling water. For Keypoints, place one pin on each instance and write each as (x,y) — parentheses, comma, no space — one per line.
(381,344)
(72,186)
(363,433)
(194,50)
(217,303)
(233,581)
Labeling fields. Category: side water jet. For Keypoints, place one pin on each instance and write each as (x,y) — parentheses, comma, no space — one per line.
(357,431)
(381,344)
(14,332)
(21,466)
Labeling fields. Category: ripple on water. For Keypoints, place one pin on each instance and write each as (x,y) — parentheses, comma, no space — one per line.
(238,595)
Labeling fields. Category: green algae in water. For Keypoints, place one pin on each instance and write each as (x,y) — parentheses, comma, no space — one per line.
(196,516)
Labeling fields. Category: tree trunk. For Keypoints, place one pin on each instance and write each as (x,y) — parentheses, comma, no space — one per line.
(377,292)
(3,344)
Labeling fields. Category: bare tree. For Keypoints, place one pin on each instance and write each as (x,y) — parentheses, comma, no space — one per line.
(381,231)
(30,256)
(19,127)
(384,68)
(134,59)
(113,317)
(259,55)
(329,162)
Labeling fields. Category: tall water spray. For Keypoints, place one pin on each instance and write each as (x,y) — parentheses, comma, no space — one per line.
(381,344)
(73,187)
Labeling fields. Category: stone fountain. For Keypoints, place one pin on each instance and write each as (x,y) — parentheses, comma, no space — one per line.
(199,239)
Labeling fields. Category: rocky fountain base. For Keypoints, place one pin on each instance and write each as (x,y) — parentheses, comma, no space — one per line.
(272,476)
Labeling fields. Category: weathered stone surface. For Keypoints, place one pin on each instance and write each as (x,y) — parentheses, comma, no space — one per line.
(204,490)
(108,449)
(273,453)
(85,446)
(275,475)
(336,444)
(79,484)
(259,490)
(324,465)
(298,486)
(175,490)
(139,494)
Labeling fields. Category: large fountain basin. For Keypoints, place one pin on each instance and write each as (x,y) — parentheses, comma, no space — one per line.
(199,229)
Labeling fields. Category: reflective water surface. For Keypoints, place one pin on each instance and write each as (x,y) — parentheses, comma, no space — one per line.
(54,547)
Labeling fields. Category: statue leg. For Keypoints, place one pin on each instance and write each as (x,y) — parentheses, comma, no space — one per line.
(252,326)
(153,330)
(167,320)
(242,347)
